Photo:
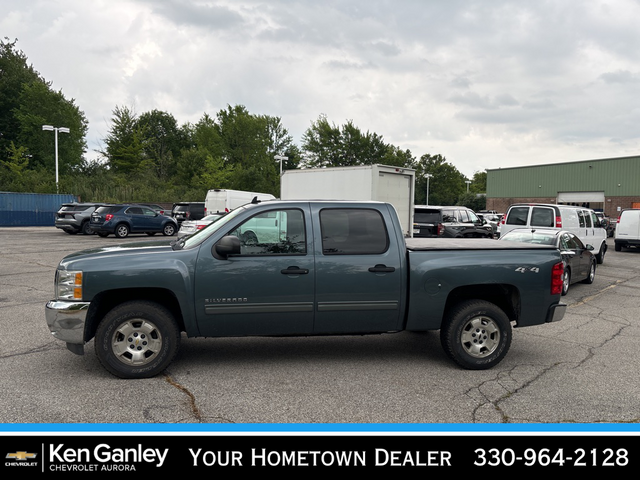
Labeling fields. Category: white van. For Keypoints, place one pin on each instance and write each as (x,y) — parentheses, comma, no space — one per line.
(580,221)
(223,201)
(627,233)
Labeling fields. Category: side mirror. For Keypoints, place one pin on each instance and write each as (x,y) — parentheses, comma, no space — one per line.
(589,247)
(229,245)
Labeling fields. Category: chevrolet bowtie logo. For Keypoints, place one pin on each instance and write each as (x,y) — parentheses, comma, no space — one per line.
(21,455)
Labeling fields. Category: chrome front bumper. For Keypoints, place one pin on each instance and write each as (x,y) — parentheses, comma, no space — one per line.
(66,321)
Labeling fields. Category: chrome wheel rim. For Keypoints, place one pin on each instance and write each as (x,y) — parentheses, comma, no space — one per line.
(480,336)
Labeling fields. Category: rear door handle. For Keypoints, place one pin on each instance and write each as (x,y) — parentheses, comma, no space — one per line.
(294,271)
(380,268)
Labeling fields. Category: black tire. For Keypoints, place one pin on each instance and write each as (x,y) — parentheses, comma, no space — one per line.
(122,230)
(86,228)
(618,247)
(600,255)
(566,280)
(476,334)
(592,274)
(249,238)
(169,229)
(103,234)
(137,339)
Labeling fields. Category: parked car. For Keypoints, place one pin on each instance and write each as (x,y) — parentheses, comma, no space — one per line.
(75,217)
(578,259)
(452,222)
(158,208)
(627,233)
(121,220)
(491,219)
(189,227)
(187,211)
(580,221)
(607,223)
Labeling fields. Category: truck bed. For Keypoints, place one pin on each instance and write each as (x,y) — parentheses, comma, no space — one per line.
(418,244)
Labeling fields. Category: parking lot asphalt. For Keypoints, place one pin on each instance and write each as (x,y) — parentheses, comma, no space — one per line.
(582,369)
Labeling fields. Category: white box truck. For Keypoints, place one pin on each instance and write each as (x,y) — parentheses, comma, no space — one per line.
(384,183)
(220,200)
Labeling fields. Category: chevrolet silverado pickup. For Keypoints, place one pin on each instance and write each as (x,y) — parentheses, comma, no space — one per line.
(303,268)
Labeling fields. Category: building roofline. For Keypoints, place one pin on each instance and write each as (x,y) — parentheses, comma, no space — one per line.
(571,162)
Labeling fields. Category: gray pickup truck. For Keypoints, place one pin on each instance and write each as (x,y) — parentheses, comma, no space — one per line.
(301,268)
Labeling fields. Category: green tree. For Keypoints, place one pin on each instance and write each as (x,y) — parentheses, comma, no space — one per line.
(474,201)
(162,142)
(14,74)
(39,105)
(124,142)
(479,182)
(445,185)
(328,145)
(245,142)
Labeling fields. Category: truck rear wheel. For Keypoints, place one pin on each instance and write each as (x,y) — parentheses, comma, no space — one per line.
(137,339)
(476,334)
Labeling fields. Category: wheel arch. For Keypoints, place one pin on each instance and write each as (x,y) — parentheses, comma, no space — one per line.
(504,296)
(107,301)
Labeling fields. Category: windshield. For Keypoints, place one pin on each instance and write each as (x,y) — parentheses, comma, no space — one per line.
(209,230)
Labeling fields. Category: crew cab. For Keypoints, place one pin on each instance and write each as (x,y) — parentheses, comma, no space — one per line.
(301,268)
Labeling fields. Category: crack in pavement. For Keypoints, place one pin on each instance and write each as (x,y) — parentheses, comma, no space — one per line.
(191,397)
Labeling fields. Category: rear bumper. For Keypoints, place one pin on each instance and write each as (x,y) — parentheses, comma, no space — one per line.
(66,320)
(556,312)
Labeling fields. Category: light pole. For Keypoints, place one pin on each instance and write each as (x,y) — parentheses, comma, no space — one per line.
(56,130)
(428,176)
(467,182)
(281,158)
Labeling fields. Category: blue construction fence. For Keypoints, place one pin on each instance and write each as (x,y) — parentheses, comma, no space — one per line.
(30,209)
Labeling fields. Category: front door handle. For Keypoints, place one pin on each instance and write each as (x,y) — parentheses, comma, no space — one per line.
(294,271)
(380,268)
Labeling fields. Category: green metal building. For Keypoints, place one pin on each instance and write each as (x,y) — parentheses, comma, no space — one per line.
(607,185)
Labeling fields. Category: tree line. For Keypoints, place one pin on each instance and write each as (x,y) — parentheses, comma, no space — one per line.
(151,157)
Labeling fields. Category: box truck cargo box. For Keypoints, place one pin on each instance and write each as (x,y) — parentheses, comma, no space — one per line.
(221,201)
(384,183)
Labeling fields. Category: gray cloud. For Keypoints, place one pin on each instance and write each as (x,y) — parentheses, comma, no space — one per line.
(486,83)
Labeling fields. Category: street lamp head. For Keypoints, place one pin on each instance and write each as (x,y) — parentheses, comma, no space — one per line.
(63,129)
(47,127)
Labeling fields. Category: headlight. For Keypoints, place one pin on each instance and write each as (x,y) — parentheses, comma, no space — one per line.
(68,285)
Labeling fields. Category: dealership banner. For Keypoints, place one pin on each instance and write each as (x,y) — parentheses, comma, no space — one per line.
(415,454)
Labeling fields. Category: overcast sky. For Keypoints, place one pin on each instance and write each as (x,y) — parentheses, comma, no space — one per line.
(486,84)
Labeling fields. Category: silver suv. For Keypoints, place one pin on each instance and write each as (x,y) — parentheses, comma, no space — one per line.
(75,217)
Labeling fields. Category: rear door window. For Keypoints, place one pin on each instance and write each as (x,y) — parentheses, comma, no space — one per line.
(543,217)
(518,216)
(348,231)
(426,216)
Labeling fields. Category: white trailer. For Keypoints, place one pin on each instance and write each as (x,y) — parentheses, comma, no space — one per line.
(220,200)
(395,185)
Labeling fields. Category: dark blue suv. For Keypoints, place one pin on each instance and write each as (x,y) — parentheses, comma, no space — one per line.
(124,219)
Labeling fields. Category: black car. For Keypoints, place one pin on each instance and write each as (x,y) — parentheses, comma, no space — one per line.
(75,217)
(578,259)
(187,211)
(121,220)
(452,222)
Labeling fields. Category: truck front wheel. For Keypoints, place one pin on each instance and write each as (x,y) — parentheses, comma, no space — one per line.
(476,334)
(137,339)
